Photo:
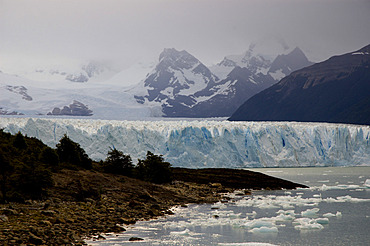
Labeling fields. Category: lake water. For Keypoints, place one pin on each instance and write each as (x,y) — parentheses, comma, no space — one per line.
(335,210)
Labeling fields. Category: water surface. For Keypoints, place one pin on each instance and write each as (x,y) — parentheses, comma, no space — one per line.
(335,210)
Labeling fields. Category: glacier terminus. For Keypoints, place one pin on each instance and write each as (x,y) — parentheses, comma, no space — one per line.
(209,143)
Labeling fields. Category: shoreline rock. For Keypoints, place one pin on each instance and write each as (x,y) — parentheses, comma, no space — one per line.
(65,217)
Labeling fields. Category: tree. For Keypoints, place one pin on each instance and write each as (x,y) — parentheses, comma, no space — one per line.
(154,169)
(33,178)
(72,153)
(117,162)
(23,172)
(5,171)
(19,141)
(49,157)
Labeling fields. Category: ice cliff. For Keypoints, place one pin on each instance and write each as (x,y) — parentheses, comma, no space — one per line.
(200,144)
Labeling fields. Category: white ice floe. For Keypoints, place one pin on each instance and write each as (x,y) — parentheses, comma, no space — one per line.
(338,187)
(184,233)
(265,229)
(367,183)
(270,202)
(284,215)
(310,212)
(328,215)
(246,244)
(307,224)
(257,223)
(322,221)
(346,198)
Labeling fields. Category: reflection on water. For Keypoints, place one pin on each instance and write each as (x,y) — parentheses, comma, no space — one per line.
(333,211)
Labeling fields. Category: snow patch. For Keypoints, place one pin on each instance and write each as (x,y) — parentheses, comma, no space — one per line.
(278,74)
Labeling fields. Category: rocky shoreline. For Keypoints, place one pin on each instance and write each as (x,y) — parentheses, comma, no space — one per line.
(86,204)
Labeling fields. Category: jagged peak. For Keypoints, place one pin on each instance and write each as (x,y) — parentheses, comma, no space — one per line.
(297,52)
(172,53)
(171,57)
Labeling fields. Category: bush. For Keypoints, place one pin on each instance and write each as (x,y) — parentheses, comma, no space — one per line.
(49,157)
(118,163)
(154,169)
(72,153)
(19,141)
(32,178)
(23,174)
(6,169)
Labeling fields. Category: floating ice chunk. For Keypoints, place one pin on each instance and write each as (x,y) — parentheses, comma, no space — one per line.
(310,212)
(338,214)
(351,199)
(323,181)
(324,187)
(328,215)
(330,200)
(258,223)
(284,217)
(338,187)
(267,205)
(265,229)
(286,212)
(246,244)
(307,224)
(186,232)
(367,183)
(322,221)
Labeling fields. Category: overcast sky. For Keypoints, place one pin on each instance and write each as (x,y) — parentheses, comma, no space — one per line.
(34,31)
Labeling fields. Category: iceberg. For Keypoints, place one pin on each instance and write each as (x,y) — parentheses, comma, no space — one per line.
(209,143)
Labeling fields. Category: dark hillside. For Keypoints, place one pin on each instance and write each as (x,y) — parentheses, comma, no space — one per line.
(336,91)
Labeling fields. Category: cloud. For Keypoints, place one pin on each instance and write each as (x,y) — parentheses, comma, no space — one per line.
(128,30)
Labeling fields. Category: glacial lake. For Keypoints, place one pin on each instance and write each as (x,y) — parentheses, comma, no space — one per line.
(335,210)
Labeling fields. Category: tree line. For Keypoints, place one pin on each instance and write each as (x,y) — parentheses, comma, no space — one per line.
(26,165)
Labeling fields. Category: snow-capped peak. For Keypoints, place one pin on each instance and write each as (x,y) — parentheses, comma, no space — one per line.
(176,59)
(177,76)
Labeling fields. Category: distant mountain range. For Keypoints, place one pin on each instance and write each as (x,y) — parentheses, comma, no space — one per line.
(185,87)
(336,90)
(178,85)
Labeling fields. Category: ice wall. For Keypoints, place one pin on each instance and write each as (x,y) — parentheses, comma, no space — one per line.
(210,143)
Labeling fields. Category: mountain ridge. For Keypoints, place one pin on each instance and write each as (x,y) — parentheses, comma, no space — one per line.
(323,92)
(174,85)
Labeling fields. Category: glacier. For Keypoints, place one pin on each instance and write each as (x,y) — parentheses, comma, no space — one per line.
(208,143)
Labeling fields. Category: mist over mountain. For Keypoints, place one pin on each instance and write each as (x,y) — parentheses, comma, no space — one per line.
(336,90)
(178,85)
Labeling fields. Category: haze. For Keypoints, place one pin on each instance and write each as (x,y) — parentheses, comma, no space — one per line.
(125,31)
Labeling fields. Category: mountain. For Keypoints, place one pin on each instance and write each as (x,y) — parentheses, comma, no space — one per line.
(177,85)
(336,90)
(283,65)
(174,82)
(21,96)
(68,72)
(184,87)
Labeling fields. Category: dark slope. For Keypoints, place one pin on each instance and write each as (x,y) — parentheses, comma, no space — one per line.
(336,90)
